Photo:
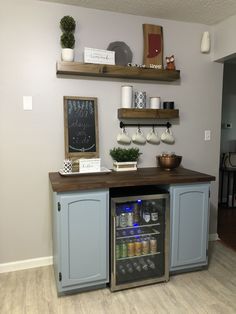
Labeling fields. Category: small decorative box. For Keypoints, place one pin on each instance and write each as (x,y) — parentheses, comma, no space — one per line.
(89,165)
(125,166)
(92,55)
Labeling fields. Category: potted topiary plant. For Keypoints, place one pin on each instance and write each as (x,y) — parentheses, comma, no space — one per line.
(125,159)
(68,25)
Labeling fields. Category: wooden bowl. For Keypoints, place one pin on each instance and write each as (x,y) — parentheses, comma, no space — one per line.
(169,162)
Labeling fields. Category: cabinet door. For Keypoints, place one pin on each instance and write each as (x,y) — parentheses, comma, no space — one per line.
(189,221)
(84,238)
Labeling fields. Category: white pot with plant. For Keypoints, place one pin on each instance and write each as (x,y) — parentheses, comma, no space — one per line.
(68,25)
(125,159)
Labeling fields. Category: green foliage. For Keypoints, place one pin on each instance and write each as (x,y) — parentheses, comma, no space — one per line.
(67,40)
(67,24)
(125,154)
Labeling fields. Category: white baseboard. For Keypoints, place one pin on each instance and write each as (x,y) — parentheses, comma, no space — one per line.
(25,264)
(213,237)
(45,261)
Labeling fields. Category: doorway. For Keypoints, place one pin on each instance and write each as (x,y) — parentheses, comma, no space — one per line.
(227,192)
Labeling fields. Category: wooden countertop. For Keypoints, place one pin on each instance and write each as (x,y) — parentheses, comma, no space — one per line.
(143,176)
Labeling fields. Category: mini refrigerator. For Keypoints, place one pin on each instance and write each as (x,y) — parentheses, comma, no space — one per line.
(139,238)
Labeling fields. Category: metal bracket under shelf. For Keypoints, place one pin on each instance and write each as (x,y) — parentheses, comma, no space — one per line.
(123,125)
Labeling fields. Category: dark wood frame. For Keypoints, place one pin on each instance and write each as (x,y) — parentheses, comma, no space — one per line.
(75,155)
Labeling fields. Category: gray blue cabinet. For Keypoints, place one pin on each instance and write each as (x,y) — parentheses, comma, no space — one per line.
(81,239)
(189,218)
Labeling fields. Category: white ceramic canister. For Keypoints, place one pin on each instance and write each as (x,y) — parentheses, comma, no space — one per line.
(126,96)
(155,102)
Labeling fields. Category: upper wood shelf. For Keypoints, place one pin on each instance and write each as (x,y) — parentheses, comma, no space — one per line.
(124,113)
(116,71)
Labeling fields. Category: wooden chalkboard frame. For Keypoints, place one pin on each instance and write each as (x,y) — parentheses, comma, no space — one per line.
(84,112)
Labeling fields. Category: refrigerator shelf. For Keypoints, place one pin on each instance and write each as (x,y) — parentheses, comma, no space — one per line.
(139,226)
(138,235)
(131,257)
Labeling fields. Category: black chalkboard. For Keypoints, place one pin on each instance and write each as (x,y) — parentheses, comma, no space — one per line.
(81,127)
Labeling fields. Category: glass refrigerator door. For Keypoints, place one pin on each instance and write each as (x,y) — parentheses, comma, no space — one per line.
(139,241)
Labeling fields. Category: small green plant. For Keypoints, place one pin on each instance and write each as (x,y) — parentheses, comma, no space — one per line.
(67,24)
(125,154)
(67,40)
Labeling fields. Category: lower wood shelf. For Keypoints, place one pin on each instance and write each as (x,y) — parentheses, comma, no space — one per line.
(131,113)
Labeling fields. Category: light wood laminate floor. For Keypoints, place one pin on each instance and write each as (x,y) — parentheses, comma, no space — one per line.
(208,291)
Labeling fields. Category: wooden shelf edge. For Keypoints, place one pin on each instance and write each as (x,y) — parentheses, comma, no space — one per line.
(116,71)
(133,113)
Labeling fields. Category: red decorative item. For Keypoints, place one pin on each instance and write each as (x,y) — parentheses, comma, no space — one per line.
(154,45)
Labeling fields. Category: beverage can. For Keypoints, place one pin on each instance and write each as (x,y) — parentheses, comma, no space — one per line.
(136,217)
(154,216)
(145,246)
(129,268)
(138,247)
(123,249)
(117,250)
(124,233)
(131,232)
(121,270)
(130,248)
(153,245)
(117,221)
(130,219)
(137,267)
(123,220)
(154,212)
(146,215)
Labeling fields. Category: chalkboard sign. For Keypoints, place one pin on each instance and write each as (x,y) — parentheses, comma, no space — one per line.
(81,127)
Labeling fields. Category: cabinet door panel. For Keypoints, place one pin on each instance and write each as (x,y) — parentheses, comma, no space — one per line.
(189,225)
(83,238)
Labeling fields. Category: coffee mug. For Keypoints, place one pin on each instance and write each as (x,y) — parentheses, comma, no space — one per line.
(167,137)
(123,137)
(138,137)
(152,137)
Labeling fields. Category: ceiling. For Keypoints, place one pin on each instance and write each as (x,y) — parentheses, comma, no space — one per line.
(196,11)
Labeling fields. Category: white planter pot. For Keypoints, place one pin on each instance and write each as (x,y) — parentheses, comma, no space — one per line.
(67,54)
(125,166)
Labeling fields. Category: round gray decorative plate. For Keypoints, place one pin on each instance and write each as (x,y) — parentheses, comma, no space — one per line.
(123,54)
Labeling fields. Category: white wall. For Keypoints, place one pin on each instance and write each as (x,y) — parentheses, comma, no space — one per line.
(224,43)
(32,142)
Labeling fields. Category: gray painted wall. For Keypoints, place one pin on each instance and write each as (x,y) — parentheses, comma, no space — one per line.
(32,142)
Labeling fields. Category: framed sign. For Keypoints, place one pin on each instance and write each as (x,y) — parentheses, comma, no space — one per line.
(81,127)
(153,45)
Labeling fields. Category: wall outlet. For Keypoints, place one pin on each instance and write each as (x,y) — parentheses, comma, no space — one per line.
(207,135)
(228,125)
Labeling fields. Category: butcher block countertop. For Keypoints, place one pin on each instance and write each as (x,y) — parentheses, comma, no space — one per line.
(143,176)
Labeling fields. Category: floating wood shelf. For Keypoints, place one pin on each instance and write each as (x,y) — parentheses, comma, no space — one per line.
(124,113)
(116,71)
